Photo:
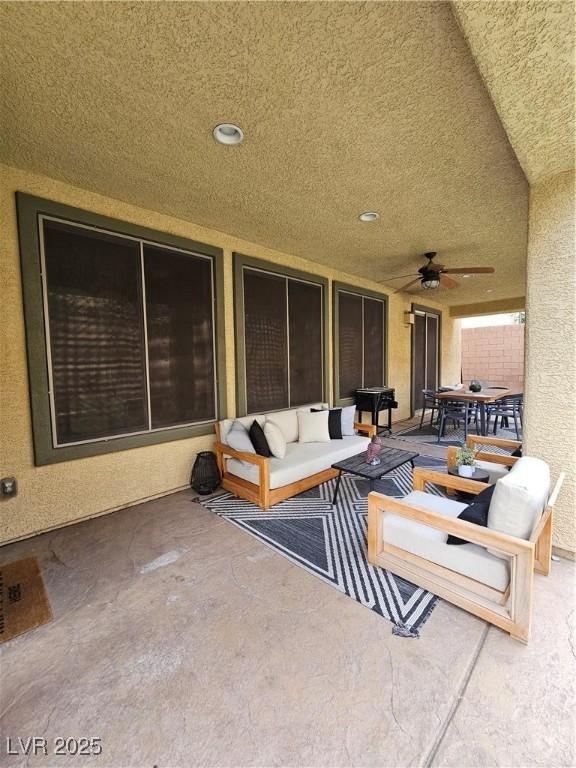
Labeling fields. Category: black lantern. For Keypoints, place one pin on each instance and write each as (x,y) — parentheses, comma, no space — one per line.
(205,476)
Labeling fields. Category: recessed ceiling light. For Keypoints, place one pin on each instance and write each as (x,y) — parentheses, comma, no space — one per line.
(369,216)
(466,275)
(489,290)
(228,133)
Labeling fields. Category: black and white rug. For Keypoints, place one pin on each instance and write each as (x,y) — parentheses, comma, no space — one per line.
(330,542)
(429,434)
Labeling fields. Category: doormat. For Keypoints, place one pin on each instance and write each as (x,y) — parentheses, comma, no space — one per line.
(24,604)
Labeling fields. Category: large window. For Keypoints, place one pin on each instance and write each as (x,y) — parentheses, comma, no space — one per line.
(359,340)
(121,326)
(280,324)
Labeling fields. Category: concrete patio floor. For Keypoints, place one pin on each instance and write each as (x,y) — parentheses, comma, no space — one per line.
(179,640)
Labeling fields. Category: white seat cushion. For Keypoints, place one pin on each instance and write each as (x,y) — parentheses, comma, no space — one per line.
(301,460)
(430,543)
(496,471)
(520,498)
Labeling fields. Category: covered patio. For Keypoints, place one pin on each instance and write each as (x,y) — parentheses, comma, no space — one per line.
(256,510)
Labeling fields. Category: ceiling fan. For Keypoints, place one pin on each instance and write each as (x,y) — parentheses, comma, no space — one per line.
(432,275)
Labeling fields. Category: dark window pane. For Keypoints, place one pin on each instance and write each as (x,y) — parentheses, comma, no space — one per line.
(180,337)
(266,341)
(305,342)
(373,343)
(349,343)
(96,333)
(419,353)
(431,352)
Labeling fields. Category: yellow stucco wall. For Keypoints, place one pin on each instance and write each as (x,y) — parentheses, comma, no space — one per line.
(55,495)
(550,368)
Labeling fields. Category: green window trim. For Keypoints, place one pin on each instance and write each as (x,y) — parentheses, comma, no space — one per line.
(337,288)
(240,262)
(29,209)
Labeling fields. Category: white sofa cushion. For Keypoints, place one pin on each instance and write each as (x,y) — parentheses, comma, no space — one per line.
(276,441)
(430,543)
(301,460)
(348,419)
(520,498)
(287,423)
(496,471)
(238,438)
(246,421)
(313,427)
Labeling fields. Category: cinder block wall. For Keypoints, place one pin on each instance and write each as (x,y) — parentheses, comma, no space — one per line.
(494,354)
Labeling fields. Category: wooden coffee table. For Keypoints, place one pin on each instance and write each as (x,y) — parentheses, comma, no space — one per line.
(391,458)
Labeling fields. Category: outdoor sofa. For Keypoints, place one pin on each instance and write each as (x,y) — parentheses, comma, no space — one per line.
(266,481)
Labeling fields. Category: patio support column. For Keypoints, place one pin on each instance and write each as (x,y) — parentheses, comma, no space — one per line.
(550,359)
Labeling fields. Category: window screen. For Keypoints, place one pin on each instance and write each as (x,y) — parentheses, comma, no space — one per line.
(373,343)
(126,354)
(305,334)
(283,335)
(361,336)
(350,342)
(266,341)
(180,336)
(94,298)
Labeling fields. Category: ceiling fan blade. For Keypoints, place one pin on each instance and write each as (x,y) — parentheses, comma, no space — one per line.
(469,271)
(447,282)
(404,287)
(398,277)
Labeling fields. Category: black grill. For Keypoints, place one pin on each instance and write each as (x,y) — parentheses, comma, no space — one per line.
(376,399)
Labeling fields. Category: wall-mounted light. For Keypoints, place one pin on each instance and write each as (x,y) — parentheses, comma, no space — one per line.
(409,318)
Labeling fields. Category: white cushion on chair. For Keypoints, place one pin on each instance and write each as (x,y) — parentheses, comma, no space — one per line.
(520,498)
(301,460)
(470,560)
(496,471)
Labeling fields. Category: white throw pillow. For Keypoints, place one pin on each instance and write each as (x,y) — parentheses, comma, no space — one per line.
(239,439)
(275,438)
(313,427)
(519,499)
(348,419)
(287,422)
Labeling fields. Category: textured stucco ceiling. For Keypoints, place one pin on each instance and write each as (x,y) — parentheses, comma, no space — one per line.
(525,53)
(345,106)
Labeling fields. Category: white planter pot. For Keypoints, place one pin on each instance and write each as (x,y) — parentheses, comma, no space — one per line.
(466,470)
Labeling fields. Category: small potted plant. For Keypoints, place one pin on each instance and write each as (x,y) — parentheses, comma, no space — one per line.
(475,386)
(465,458)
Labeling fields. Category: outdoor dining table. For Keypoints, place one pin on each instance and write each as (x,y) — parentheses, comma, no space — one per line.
(483,398)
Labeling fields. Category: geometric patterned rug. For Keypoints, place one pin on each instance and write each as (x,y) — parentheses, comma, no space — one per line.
(330,542)
(429,434)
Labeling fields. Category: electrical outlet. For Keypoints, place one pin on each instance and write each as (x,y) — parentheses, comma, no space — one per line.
(8,486)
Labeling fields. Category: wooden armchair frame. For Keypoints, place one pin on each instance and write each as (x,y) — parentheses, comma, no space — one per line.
(260,493)
(511,609)
(472,441)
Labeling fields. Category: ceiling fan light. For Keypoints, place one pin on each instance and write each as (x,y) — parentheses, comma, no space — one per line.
(430,283)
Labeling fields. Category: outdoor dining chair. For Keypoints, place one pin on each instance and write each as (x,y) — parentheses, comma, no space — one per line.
(431,403)
(507,408)
(459,412)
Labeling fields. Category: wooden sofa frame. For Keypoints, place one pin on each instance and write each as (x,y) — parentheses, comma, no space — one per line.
(261,494)
(510,610)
